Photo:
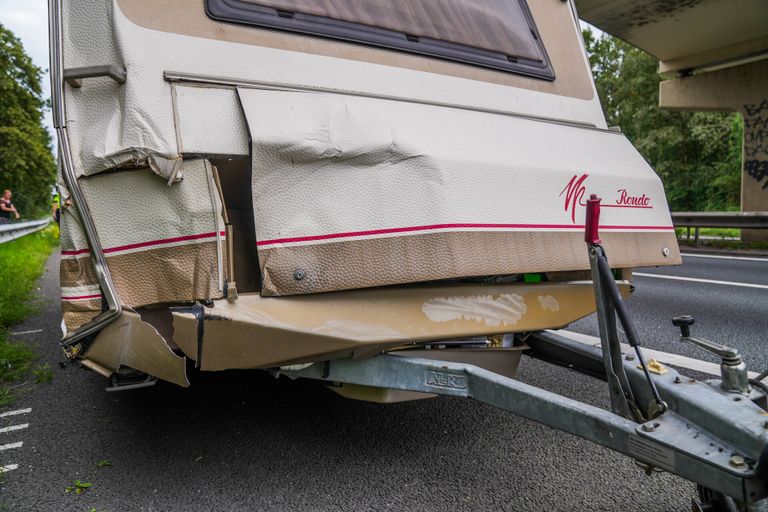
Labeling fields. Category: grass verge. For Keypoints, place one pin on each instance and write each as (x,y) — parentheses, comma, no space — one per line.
(21,265)
(729,244)
(717,232)
(719,238)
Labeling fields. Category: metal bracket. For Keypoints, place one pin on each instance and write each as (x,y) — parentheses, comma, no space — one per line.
(74,76)
(118,383)
(622,400)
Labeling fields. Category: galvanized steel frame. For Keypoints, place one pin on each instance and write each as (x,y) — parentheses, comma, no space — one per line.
(676,441)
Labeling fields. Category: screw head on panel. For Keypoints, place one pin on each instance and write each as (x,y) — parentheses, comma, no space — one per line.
(737,461)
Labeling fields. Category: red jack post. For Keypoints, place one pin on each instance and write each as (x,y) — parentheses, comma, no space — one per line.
(591,234)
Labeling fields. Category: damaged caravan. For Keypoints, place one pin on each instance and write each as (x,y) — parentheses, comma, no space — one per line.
(388,196)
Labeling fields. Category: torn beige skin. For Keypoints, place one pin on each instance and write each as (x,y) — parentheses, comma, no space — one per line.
(262,332)
(130,342)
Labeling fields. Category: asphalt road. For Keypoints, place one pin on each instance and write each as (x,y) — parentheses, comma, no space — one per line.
(245,441)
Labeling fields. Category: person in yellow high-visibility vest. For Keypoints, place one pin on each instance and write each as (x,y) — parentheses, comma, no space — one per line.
(55,213)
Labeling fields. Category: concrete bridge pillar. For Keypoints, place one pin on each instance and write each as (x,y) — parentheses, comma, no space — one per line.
(742,89)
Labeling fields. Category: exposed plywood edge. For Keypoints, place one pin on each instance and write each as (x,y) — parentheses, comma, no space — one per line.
(92,365)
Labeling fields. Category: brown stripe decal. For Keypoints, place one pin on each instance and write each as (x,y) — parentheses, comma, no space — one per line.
(347,264)
(166,274)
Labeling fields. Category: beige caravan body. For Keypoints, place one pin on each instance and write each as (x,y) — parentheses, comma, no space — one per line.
(391,197)
(327,196)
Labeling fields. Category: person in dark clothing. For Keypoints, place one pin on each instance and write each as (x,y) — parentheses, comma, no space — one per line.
(7,210)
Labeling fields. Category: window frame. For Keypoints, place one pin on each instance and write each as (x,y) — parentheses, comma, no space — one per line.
(247,13)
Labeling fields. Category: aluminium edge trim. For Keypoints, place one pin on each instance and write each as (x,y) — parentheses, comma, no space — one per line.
(234,83)
(68,174)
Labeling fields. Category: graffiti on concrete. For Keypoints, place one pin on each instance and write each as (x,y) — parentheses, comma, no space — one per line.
(756,141)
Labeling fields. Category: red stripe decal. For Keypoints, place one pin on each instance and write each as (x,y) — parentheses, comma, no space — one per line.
(74,253)
(352,234)
(624,206)
(147,244)
(81,297)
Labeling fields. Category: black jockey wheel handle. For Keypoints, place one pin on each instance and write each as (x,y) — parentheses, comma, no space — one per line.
(684,322)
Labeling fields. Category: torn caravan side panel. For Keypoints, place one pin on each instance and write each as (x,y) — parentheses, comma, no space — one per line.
(81,299)
(163,243)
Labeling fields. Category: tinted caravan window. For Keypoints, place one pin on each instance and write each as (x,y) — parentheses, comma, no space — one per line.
(498,34)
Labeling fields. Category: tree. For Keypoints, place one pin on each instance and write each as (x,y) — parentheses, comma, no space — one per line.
(27,166)
(697,155)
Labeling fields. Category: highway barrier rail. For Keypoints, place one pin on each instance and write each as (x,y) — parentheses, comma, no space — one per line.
(14,230)
(740,220)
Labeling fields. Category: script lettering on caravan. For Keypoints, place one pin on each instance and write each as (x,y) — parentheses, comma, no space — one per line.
(576,189)
(627,200)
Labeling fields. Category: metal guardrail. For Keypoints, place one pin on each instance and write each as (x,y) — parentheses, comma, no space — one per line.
(743,220)
(14,230)
(739,220)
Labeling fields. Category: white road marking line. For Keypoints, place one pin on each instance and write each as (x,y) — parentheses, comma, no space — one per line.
(26,332)
(14,413)
(13,427)
(9,467)
(719,257)
(697,280)
(665,357)
(11,446)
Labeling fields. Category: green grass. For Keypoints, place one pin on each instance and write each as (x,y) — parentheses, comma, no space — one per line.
(732,244)
(21,265)
(719,232)
(719,242)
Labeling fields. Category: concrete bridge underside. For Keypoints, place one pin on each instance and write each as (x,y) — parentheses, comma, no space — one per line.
(715,53)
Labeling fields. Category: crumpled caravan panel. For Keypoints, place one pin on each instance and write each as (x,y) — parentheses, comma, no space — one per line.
(354,192)
(80,292)
(163,243)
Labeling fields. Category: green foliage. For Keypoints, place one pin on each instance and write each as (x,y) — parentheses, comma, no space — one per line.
(21,264)
(26,163)
(696,154)
(78,487)
(103,463)
(43,373)
(15,360)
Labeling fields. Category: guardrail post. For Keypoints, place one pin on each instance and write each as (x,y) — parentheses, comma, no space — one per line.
(696,237)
